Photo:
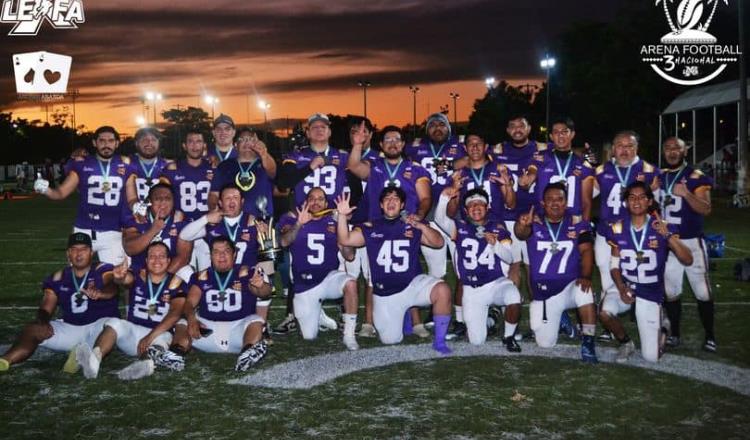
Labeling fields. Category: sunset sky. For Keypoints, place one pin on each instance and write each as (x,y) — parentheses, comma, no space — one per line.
(300,56)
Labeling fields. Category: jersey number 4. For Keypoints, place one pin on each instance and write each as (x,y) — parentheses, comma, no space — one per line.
(393,256)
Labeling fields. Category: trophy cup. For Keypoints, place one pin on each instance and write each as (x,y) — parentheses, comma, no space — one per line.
(269,251)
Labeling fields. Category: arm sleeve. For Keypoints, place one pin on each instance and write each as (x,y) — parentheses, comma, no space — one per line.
(355,188)
(289,175)
(441,216)
(502,249)
(194,230)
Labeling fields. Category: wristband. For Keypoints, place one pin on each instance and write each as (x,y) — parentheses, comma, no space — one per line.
(614,263)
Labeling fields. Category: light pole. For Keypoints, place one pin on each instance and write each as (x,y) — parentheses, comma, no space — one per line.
(212,101)
(364,84)
(414,90)
(547,64)
(455,97)
(153,97)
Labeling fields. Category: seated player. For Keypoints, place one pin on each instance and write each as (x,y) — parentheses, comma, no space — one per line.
(225,296)
(155,303)
(481,244)
(561,259)
(162,223)
(393,244)
(315,263)
(87,296)
(640,247)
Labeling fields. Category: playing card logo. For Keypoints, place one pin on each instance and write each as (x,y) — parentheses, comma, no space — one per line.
(28,15)
(41,72)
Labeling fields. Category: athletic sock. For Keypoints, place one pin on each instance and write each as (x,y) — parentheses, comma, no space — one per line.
(441,329)
(706,312)
(459,313)
(98,353)
(408,327)
(674,313)
(350,323)
(176,349)
(510,329)
(589,329)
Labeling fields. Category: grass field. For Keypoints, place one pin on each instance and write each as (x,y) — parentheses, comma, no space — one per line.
(454,397)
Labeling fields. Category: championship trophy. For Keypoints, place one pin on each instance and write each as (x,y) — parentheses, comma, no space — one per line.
(269,251)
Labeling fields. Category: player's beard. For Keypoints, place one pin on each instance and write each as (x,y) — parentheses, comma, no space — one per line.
(106,153)
(391,155)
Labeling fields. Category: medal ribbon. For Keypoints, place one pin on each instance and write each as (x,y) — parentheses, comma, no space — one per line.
(105,171)
(676,178)
(223,284)
(223,158)
(478,180)
(440,150)
(243,171)
(75,281)
(639,243)
(563,173)
(553,234)
(232,230)
(147,172)
(623,180)
(151,295)
(392,172)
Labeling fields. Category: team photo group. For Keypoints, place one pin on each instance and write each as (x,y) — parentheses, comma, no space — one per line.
(194,249)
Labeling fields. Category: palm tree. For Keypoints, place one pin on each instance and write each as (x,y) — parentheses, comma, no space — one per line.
(669,17)
(704,28)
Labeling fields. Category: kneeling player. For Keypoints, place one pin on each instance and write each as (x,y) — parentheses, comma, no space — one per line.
(639,255)
(561,259)
(87,296)
(312,241)
(393,244)
(481,245)
(225,296)
(155,303)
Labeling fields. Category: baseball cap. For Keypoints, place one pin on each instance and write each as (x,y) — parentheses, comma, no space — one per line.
(79,238)
(318,117)
(224,119)
(147,130)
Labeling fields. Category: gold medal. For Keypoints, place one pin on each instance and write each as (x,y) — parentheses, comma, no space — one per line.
(106,186)
(222,296)
(640,257)
(151,309)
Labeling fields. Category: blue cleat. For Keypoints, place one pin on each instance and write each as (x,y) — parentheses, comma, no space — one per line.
(588,353)
(567,327)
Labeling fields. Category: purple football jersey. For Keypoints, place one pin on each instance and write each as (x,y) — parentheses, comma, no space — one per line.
(147,174)
(314,252)
(393,251)
(405,174)
(554,266)
(612,181)
(331,177)
(476,260)
(149,307)
(244,235)
(101,185)
(518,160)
(426,154)
(675,210)
(190,186)
(568,168)
(168,235)
(259,184)
(645,278)
(225,296)
(78,309)
(481,177)
(213,151)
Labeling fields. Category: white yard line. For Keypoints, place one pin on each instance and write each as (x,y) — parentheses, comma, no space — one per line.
(317,370)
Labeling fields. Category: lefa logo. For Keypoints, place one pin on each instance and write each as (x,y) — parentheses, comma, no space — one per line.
(689,55)
(28,15)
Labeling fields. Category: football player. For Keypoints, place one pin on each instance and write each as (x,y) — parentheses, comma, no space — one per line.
(101,180)
(482,242)
(640,245)
(155,303)
(87,296)
(685,200)
(225,297)
(392,244)
(147,167)
(311,238)
(561,259)
(223,148)
(252,172)
(611,180)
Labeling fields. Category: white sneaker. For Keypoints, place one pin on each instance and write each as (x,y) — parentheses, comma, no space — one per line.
(88,360)
(624,352)
(367,331)
(137,370)
(325,322)
(420,331)
(351,342)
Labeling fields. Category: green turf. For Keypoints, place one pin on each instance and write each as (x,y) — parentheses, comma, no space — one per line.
(449,398)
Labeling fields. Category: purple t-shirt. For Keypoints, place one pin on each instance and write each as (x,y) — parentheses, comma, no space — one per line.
(213,151)
(481,177)
(426,153)
(393,251)
(645,278)
(78,309)
(140,298)
(190,186)
(405,174)
(568,168)
(476,260)
(147,175)
(244,235)
(258,183)
(237,302)
(101,185)
(678,212)
(612,182)
(314,251)
(518,160)
(331,177)
(168,235)
(554,266)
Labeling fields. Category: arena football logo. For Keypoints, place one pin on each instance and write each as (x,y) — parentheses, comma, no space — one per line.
(28,15)
(688,55)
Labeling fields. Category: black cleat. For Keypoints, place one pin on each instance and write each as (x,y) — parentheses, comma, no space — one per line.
(457,332)
(511,345)
(710,345)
